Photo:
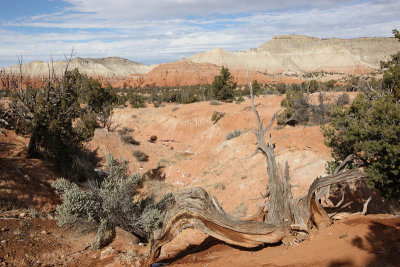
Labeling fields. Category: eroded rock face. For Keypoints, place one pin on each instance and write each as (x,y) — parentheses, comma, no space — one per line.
(187,72)
(98,67)
(281,59)
(294,53)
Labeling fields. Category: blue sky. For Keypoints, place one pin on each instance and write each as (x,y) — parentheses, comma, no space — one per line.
(156,31)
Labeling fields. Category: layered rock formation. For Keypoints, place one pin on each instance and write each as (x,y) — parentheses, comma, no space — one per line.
(294,53)
(282,58)
(98,67)
(186,72)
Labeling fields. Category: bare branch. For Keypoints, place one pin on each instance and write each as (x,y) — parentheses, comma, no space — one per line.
(272,121)
(20,62)
(365,207)
(252,101)
(343,164)
(68,59)
(252,154)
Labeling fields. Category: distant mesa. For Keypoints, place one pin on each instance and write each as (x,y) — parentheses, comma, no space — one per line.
(298,53)
(98,67)
(288,55)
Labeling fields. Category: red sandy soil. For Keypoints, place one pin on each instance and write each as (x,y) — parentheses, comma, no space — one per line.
(192,151)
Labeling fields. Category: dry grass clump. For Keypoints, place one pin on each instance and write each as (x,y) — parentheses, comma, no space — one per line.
(140,156)
(125,131)
(127,139)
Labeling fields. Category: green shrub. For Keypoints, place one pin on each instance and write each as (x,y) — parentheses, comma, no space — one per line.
(297,108)
(233,134)
(214,103)
(369,129)
(216,116)
(125,131)
(87,124)
(127,139)
(239,100)
(60,116)
(219,186)
(281,87)
(330,84)
(391,76)
(223,86)
(110,203)
(136,100)
(140,156)
(320,114)
(343,100)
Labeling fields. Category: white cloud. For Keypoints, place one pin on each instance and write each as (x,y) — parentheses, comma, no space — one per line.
(159,31)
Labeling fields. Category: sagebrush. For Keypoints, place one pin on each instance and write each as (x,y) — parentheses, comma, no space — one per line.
(109,203)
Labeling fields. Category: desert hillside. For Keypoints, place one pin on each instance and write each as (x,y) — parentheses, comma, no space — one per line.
(190,150)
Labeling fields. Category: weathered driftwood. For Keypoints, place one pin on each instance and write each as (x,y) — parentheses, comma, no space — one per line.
(285,219)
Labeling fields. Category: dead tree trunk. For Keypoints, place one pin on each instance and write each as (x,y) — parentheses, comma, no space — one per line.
(286,219)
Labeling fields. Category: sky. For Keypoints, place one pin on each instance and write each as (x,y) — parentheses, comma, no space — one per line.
(157,31)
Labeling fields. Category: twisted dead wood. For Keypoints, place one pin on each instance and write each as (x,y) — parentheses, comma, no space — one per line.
(284,217)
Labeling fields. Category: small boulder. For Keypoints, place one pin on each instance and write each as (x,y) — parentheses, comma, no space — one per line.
(153,139)
(108,251)
(125,237)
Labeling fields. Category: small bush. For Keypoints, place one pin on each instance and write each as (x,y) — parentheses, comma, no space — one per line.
(233,134)
(110,203)
(127,139)
(320,114)
(81,165)
(140,156)
(223,86)
(125,131)
(239,100)
(216,116)
(87,124)
(175,108)
(297,108)
(343,100)
(136,100)
(219,186)
(214,103)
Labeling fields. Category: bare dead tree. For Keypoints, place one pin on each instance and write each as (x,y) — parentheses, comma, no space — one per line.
(68,59)
(285,218)
(108,121)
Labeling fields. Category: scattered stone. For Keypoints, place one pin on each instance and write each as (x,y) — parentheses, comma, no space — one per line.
(124,236)
(3,241)
(106,252)
(153,139)
(22,215)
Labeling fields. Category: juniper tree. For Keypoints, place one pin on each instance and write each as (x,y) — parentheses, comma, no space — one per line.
(369,129)
(223,86)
